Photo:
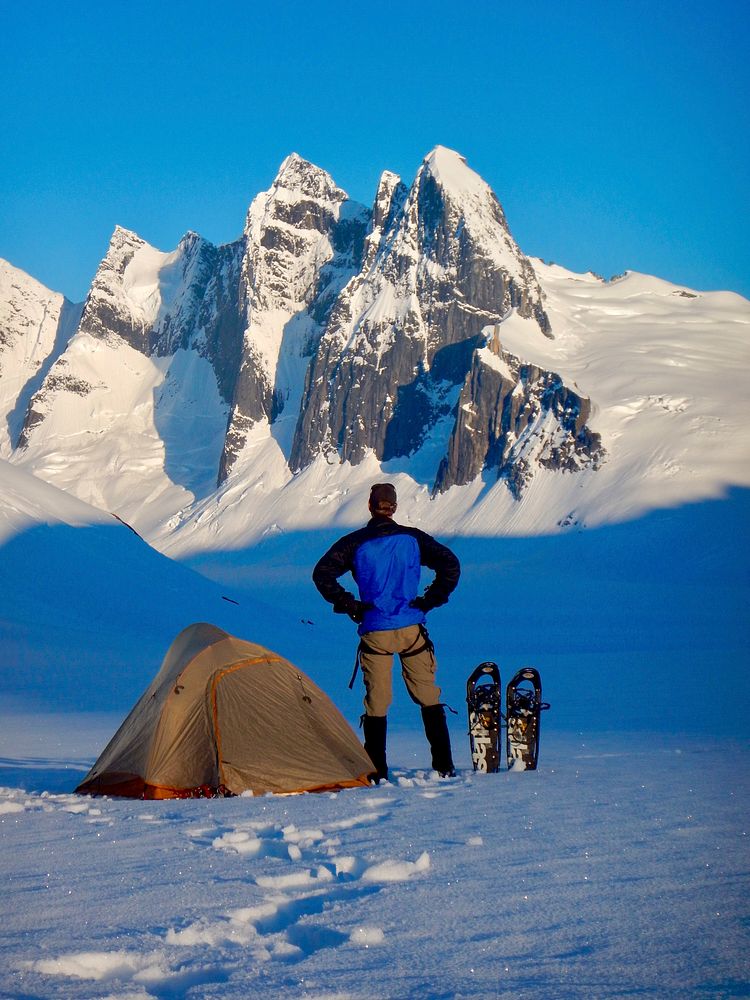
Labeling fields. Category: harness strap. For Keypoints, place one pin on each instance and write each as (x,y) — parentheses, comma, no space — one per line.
(414,652)
(363,648)
(427,644)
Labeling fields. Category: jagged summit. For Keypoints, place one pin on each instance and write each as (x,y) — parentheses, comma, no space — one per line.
(121,234)
(297,175)
(348,331)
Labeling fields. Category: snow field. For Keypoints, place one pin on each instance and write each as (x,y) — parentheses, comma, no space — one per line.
(617,869)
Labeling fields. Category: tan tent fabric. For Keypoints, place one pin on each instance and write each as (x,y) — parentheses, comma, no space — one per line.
(225,716)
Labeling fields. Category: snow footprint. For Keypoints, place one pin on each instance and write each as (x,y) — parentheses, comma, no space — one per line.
(282,926)
(136,971)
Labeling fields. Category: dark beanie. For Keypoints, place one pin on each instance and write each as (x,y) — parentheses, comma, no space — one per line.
(383,497)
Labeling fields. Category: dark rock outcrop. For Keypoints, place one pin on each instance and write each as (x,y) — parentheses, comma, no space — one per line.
(512,417)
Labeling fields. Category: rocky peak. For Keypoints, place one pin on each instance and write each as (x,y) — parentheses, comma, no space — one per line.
(298,176)
(303,241)
(352,331)
(461,222)
(146,296)
(513,418)
(123,246)
(389,199)
(440,266)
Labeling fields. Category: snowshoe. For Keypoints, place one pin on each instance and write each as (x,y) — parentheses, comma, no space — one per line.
(523,705)
(483,700)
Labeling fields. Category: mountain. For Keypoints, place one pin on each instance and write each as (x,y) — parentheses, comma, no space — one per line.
(35,327)
(214,394)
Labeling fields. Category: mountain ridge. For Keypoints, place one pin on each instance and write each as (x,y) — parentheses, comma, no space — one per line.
(332,342)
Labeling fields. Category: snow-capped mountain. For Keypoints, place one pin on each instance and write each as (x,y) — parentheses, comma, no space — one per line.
(213,394)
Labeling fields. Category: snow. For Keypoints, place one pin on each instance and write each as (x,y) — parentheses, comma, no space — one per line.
(143,288)
(618,868)
(28,501)
(664,371)
(35,326)
(113,445)
(494,361)
(450,170)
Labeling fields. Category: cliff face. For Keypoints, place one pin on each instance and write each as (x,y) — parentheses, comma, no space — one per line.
(303,241)
(513,417)
(406,335)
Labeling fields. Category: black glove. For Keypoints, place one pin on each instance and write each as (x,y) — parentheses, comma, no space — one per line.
(349,605)
(421,604)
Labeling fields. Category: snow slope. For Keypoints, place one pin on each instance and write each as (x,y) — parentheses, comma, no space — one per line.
(605,613)
(666,370)
(110,443)
(88,608)
(35,326)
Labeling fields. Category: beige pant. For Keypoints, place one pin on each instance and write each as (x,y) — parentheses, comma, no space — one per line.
(418,670)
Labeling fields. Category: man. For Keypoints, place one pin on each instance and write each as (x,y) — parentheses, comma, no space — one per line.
(385,559)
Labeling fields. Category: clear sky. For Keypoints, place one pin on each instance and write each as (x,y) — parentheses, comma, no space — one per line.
(614,132)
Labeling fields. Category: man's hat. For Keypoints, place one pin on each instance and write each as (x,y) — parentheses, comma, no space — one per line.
(383,498)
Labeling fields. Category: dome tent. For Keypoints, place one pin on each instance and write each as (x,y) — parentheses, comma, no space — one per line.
(225,716)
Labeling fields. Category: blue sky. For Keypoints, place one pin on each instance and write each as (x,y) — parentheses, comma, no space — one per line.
(614,133)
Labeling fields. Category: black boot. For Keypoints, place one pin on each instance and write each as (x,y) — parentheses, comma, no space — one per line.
(375,727)
(436,731)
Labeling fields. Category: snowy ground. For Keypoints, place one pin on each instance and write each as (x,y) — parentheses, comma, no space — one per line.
(618,869)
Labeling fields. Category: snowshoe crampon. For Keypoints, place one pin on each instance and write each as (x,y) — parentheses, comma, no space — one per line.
(523,705)
(483,701)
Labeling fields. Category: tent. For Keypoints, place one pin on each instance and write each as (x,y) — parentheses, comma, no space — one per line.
(225,716)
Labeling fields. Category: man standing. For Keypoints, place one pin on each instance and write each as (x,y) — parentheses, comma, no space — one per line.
(385,559)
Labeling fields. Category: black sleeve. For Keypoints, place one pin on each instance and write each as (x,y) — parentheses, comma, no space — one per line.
(447,569)
(339,559)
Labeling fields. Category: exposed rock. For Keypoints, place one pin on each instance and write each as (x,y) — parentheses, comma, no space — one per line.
(303,240)
(439,266)
(59,379)
(512,417)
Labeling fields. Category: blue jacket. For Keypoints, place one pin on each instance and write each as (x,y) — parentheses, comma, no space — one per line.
(385,559)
